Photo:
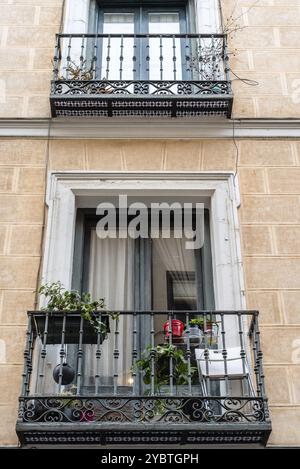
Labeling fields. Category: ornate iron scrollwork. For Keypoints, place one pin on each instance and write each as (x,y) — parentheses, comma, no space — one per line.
(143,409)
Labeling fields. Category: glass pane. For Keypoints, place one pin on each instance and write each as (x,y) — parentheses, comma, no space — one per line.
(174,280)
(165,54)
(117,63)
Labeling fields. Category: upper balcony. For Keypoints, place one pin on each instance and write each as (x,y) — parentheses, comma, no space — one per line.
(143,377)
(147,75)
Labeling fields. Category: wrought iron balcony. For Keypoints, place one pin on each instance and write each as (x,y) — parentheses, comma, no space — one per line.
(143,377)
(166,75)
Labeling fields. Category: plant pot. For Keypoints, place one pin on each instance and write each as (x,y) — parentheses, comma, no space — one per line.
(177,328)
(212,334)
(72,330)
(195,335)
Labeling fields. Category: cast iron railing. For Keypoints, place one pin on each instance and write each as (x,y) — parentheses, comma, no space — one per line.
(164,75)
(68,388)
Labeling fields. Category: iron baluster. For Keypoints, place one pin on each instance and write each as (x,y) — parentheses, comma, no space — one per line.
(82,61)
(206,355)
(224,354)
(62,352)
(243,357)
(199,63)
(171,362)
(79,358)
(255,357)
(95,60)
(56,59)
(41,375)
(188,57)
(25,375)
(30,358)
(134,353)
(98,356)
(260,368)
(121,57)
(147,64)
(116,356)
(213,58)
(108,57)
(69,58)
(161,58)
(134,58)
(226,63)
(188,351)
(152,354)
(174,59)
(259,357)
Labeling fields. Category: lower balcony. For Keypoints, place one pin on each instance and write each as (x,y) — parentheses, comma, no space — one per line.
(143,75)
(143,378)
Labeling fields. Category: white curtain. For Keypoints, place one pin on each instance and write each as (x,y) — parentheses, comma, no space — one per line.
(111,278)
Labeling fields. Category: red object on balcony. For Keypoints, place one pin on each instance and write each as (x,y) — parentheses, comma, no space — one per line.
(177,328)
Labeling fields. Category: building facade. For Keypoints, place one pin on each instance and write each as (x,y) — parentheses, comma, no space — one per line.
(189,101)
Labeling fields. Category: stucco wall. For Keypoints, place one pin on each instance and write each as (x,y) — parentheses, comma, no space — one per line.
(265,50)
(269,175)
(27,40)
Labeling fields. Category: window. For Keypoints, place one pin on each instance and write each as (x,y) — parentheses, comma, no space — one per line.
(141,274)
(135,57)
(157,274)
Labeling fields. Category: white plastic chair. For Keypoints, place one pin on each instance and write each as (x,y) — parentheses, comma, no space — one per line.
(213,367)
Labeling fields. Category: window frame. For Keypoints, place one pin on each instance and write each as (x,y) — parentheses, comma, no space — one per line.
(86,220)
(95,13)
(65,191)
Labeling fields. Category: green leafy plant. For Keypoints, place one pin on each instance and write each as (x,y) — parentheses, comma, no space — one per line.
(60,299)
(200,322)
(160,356)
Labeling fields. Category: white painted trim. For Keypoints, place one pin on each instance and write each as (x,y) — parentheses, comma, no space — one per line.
(155,129)
(64,187)
(76,17)
(208,16)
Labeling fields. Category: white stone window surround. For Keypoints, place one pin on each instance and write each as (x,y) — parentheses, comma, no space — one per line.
(66,189)
(76,16)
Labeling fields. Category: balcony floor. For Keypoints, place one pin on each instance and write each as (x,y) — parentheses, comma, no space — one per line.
(139,434)
(74,98)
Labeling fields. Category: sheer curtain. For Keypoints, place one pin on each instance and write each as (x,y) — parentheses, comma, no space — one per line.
(111,278)
(179,262)
(171,259)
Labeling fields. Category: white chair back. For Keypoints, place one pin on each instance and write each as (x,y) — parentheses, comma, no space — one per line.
(214,366)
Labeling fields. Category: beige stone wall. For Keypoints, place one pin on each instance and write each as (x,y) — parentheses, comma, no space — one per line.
(27,41)
(269,174)
(22,175)
(265,50)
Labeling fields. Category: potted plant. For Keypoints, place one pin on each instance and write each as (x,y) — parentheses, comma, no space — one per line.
(161,355)
(77,306)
